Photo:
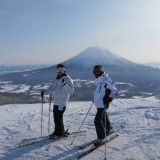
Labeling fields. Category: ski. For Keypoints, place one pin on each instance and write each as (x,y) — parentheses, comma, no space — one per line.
(31,141)
(93,148)
(92,142)
(87,145)
(38,140)
(44,137)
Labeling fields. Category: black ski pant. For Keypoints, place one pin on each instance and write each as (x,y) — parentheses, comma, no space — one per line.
(58,121)
(99,122)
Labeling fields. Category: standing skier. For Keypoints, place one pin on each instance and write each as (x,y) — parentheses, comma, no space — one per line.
(104,94)
(62,87)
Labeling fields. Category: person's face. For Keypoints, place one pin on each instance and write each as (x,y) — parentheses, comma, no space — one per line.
(95,72)
(60,71)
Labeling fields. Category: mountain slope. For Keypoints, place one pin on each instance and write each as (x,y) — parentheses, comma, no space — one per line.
(153,64)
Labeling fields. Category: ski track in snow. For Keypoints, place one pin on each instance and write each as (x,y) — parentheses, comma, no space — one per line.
(139,140)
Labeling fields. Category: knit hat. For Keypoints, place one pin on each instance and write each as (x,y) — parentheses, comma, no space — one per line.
(98,67)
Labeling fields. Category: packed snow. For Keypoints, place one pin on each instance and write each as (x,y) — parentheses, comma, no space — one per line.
(139,140)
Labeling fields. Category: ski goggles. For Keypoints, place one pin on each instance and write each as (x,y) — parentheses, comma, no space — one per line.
(61,69)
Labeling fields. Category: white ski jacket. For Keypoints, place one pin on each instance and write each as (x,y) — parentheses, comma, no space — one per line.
(101,83)
(62,89)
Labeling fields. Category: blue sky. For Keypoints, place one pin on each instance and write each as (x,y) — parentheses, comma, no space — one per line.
(51,31)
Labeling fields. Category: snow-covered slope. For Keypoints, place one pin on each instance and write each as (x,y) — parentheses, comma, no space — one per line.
(139,140)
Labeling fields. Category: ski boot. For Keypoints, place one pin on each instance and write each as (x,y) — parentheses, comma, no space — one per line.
(98,142)
(66,133)
(53,136)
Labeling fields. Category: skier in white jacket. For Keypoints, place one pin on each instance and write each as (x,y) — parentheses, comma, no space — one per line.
(62,87)
(104,94)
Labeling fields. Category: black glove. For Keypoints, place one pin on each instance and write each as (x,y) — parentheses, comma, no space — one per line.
(42,93)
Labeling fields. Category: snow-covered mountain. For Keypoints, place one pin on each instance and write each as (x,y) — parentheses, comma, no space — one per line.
(96,55)
(132,79)
(117,66)
(139,140)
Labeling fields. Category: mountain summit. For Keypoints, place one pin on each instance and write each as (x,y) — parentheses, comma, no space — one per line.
(96,55)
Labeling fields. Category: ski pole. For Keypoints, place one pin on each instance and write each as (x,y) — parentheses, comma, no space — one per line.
(41,115)
(50,99)
(82,123)
(105,131)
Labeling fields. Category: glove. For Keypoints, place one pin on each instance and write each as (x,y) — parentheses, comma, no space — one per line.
(42,93)
(113,95)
